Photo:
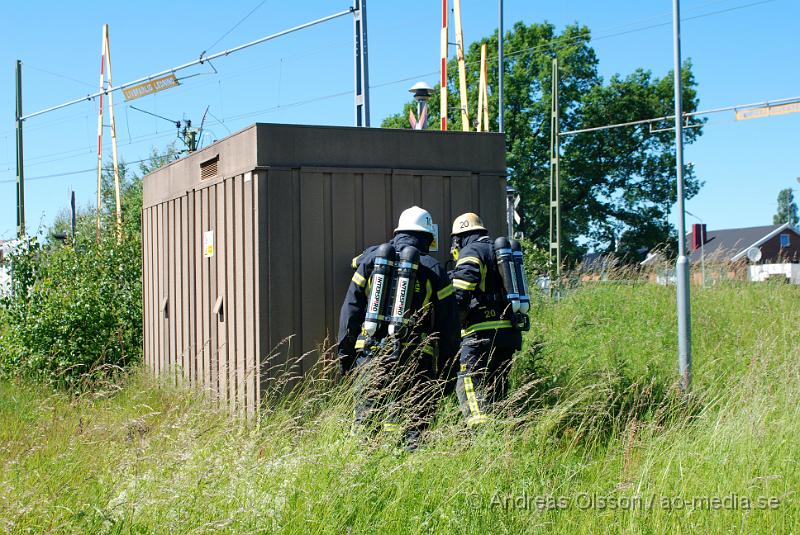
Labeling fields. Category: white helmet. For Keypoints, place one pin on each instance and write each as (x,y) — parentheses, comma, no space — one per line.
(415,219)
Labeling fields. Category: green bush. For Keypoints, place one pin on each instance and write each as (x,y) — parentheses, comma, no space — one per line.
(75,315)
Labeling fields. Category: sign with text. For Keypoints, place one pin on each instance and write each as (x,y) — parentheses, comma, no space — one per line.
(151,86)
(766,111)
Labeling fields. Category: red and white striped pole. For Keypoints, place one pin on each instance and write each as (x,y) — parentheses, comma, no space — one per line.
(443,81)
(100,139)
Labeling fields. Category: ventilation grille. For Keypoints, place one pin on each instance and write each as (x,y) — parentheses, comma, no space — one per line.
(208,168)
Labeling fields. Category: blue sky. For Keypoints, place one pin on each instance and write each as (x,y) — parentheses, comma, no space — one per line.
(743,51)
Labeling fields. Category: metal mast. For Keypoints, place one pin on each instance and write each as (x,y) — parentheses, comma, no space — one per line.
(682,266)
(361,63)
(555,199)
(500,103)
(20,166)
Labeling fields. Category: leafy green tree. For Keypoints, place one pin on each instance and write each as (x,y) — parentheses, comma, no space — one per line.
(617,186)
(75,312)
(787,208)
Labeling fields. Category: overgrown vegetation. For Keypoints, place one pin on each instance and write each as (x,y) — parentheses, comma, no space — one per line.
(74,315)
(77,317)
(594,438)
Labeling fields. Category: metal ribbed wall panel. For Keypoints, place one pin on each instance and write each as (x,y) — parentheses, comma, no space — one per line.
(287,213)
(319,219)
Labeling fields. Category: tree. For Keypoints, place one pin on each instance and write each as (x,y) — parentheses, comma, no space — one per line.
(787,208)
(614,183)
(130,197)
(75,314)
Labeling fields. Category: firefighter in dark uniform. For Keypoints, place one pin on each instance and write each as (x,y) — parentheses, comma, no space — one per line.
(406,363)
(489,337)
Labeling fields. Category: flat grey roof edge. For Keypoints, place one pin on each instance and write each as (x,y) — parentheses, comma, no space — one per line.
(293,145)
(341,146)
(430,131)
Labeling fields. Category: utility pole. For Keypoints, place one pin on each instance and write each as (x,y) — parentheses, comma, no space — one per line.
(20,160)
(443,48)
(462,68)
(73,216)
(500,103)
(682,265)
(113,126)
(361,63)
(555,197)
(100,143)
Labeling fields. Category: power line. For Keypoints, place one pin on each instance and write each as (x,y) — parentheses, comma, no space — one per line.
(68,173)
(135,141)
(202,59)
(790,100)
(231,118)
(558,42)
(233,27)
(58,75)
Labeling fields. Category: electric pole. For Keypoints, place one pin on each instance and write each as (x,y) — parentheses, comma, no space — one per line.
(73,216)
(20,164)
(682,265)
(362,63)
(500,125)
(555,196)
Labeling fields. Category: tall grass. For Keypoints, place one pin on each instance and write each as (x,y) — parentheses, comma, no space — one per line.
(594,438)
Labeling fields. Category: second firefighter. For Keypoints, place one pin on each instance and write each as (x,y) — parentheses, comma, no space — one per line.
(490,322)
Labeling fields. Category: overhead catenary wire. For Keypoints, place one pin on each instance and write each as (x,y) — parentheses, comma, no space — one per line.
(790,100)
(556,41)
(87,151)
(69,173)
(40,125)
(226,34)
(82,151)
(58,75)
(222,121)
(559,41)
(202,59)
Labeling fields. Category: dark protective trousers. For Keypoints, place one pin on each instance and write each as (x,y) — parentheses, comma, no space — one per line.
(483,377)
(395,395)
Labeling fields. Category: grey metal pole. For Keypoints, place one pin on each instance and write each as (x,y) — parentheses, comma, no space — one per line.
(682,266)
(73,216)
(365,60)
(500,63)
(361,63)
(20,159)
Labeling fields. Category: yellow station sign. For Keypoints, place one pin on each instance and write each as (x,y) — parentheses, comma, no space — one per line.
(151,86)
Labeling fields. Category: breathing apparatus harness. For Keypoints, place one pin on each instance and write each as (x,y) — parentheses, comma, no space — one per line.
(509,257)
(390,305)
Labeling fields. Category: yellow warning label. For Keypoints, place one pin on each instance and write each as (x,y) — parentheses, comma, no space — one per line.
(208,244)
